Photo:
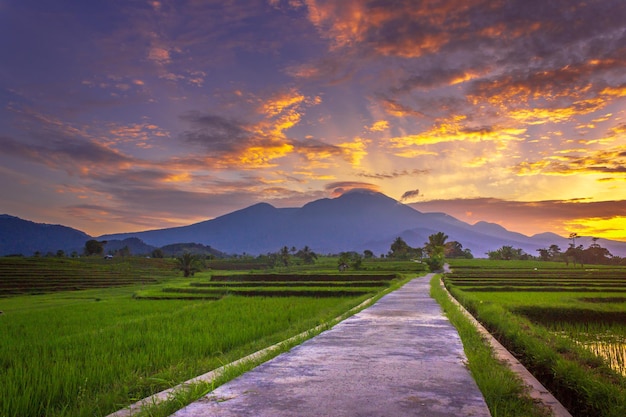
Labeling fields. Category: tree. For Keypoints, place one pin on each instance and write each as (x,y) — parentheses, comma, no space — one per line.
(555,252)
(399,249)
(435,241)
(436,249)
(596,254)
(157,253)
(368,254)
(189,264)
(349,260)
(93,247)
(60,253)
(284,256)
(454,249)
(544,254)
(436,259)
(574,254)
(307,255)
(507,253)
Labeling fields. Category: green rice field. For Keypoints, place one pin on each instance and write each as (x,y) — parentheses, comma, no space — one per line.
(566,324)
(89,350)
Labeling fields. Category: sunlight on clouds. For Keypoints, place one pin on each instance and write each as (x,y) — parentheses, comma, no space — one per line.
(540,116)
(467,76)
(614,91)
(378,126)
(477,162)
(183,177)
(452,130)
(159,55)
(612,228)
(355,151)
(259,156)
(604,162)
(412,153)
(277,105)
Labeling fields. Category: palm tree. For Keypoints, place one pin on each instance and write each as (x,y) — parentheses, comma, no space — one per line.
(284,256)
(434,241)
(189,264)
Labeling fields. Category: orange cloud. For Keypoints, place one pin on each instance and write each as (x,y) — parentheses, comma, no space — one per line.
(595,162)
(278,104)
(608,228)
(379,126)
(355,151)
(403,30)
(453,130)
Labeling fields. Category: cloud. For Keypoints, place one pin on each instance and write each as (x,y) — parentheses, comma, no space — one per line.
(394,174)
(257,143)
(610,161)
(216,133)
(378,126)
(339,188)
(409,195)
(457,129)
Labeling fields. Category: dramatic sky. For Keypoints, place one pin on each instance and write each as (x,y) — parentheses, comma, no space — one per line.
(127,115)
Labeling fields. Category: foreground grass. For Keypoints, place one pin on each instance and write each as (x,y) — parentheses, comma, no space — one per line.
(503,390)
(92,352)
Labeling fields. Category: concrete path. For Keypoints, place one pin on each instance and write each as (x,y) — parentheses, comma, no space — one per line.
(399,357)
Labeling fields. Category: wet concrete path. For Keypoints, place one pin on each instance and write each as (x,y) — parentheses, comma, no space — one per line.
(399,357)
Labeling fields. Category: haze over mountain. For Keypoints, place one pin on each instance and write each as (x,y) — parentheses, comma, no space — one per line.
(357,220)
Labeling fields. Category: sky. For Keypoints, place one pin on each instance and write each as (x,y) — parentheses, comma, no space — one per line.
(129,115)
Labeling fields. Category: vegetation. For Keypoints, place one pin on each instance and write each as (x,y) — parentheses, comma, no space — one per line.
(546,313)
(575,254)
(93,247)
(189,264)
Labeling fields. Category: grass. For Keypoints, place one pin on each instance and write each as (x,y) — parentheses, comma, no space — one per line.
(544,328)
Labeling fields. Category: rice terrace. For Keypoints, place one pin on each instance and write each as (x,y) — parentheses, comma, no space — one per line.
(566,324)
(89,336)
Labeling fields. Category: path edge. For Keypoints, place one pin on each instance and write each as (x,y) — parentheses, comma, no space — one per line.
(536,390)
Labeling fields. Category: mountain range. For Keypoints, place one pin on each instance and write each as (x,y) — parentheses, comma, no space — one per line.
(356,221)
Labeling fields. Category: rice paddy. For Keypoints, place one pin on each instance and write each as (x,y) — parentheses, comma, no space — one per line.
(90,352)
(568,325)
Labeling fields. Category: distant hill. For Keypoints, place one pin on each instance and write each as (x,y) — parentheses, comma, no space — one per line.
(178,249)
(18,236)
(358,220)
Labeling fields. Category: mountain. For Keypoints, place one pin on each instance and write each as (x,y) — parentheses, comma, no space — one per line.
(357,220)
(18,236)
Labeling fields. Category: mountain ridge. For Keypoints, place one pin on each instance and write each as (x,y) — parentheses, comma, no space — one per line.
(355,221)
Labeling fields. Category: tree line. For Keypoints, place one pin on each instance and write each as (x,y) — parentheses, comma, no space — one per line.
(594,254)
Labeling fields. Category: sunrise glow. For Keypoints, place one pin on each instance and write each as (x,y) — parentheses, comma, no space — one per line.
(136,115)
